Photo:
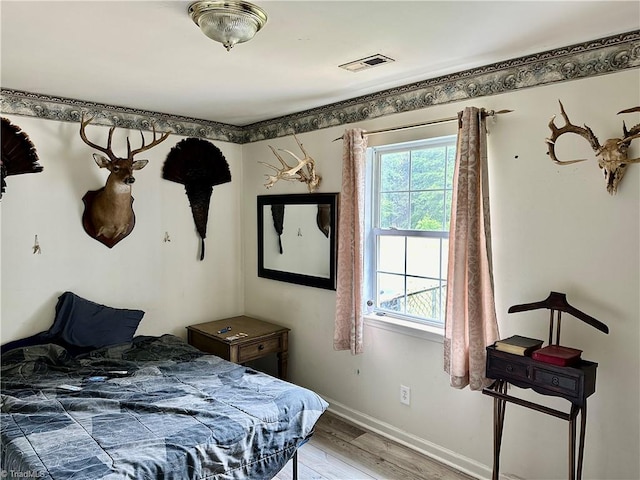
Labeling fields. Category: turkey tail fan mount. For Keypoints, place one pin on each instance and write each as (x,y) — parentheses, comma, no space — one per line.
(277,212)
(18,153)
(199,166)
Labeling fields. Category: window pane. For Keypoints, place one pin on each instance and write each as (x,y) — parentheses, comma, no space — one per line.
(391,256)
(428,211)
(394,210)
(412,192)
(423,297)
(391,292)
(394,172)
(428,168)
(425,257)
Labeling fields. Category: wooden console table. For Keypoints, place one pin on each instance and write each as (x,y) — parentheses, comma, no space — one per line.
(261,338)
(573,383)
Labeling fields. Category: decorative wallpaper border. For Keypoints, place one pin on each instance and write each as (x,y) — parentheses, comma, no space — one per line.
(69,110)
(598,57)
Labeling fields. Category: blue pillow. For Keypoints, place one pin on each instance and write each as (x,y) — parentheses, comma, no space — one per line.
(86,325)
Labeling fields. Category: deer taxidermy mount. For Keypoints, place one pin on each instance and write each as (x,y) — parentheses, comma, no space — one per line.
(304,171)
(108,213)
(612,156)
(18,153)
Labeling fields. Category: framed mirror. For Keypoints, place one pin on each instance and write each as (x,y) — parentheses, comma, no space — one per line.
(297,238)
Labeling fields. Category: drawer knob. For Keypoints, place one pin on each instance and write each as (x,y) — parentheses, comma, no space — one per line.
(555,381)
(260,347)
(509,368)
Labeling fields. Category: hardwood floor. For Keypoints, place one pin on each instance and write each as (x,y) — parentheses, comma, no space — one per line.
(340,450)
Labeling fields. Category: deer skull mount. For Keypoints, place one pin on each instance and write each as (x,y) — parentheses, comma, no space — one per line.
(304,171)
(612,156)
(108,212)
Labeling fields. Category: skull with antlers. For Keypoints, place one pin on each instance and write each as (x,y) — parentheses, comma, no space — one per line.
(304,171)
(612,156)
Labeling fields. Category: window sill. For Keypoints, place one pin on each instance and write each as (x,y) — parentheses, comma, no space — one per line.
(405,327)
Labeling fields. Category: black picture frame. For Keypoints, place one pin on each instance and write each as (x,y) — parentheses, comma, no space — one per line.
(329,203)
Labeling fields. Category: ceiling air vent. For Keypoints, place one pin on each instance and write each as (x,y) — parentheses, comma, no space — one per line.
(364,63)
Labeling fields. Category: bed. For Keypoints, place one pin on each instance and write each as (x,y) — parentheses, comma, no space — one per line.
(149,408)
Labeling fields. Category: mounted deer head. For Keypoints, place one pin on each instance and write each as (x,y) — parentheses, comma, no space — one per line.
(612,156)
(108,213)
(304,171)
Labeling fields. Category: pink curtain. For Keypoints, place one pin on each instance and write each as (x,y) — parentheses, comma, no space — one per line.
(350,260)
(471,322)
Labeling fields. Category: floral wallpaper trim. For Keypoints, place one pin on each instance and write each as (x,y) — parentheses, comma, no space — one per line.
(597,57)
(69,110)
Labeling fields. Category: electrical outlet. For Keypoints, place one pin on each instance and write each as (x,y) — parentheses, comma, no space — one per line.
(405,395)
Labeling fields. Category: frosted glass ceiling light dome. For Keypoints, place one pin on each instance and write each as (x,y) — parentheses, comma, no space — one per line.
(228,22)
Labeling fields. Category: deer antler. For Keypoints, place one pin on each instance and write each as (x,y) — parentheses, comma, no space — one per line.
(630,134)
(281,173)
(155,142)
(106,150)
(585,132)
(304,171)
(307,160)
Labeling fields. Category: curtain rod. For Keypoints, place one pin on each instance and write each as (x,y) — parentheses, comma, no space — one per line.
(485,113)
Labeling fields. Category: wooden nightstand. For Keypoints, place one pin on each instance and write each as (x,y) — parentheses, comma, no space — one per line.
(262,338)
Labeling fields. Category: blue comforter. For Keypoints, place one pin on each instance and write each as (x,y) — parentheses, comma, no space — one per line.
(153,409)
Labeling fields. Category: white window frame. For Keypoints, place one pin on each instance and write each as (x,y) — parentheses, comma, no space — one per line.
(375,317)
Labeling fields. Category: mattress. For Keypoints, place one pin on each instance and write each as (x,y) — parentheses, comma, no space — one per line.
(153,408)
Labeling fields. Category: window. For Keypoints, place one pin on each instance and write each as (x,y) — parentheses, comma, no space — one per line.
(409,187)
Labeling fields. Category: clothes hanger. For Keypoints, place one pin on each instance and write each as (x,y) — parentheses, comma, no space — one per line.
(558,302)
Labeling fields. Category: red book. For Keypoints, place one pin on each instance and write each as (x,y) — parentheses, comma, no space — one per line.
(557,355)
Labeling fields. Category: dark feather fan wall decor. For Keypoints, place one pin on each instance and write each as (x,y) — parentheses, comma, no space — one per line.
(198,165)
(18,153)
(277,212)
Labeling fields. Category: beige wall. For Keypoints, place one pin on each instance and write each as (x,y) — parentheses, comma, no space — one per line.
(555,228)
(165,279)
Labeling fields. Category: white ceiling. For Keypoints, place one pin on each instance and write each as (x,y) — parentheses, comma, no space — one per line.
(150,55)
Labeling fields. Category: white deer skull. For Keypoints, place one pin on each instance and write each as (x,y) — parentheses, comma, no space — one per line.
(304,171)
(612,156)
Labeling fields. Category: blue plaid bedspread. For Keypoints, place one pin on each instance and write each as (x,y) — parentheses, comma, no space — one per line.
(164,411)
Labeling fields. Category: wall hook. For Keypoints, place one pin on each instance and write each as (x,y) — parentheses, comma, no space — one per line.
(166,237)
(299,232)
(36,246)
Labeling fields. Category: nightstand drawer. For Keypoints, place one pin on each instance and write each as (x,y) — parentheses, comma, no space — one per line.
(512,369)
(555,381)
(254,350)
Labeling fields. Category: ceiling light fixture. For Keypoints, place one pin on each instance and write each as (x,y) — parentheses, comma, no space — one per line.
(228,22)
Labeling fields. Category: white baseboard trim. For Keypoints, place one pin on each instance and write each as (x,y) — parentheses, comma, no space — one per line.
(441,454)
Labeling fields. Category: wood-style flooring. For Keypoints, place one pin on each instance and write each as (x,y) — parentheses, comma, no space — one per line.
(339,450)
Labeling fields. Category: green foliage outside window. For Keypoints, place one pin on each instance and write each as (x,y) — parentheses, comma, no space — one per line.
(415,189)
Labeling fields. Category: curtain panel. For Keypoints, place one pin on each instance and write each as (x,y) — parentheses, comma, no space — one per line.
(349,322)
(471,322)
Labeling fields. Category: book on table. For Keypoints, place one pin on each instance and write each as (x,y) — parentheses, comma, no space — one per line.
(558,355)
(518,345)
